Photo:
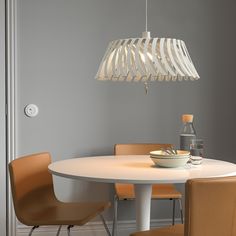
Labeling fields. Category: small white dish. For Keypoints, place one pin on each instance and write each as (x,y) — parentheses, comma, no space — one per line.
(196,160)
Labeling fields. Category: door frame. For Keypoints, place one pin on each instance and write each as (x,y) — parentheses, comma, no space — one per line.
(3,197)
(11,72)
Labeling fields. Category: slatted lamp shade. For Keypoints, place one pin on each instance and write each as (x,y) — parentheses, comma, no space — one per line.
(147,59)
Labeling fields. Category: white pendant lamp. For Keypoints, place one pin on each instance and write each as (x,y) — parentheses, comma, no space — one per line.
(147,59)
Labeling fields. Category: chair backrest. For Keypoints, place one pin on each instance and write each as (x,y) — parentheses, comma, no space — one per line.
(138,148)
(30,179)
(134,149)
(210,207)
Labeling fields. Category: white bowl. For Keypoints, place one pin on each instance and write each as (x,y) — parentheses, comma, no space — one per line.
(170,162)
(161,154)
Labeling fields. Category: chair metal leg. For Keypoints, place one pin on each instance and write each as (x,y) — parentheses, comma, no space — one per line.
(33,228)
(105,225)
(68,229)
(181,210)
(115,210)
(173,216)
(59,230)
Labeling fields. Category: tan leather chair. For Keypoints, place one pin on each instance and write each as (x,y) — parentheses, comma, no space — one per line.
(210,206)
(34,199)
(159,191)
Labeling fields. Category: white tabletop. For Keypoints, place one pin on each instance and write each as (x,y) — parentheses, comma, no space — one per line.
(140,171)
(137,169)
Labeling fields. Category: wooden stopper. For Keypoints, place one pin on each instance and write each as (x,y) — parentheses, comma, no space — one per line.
(187,118)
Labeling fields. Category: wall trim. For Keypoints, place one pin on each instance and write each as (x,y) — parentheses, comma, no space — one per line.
(11,69)
(92,228)
(3,172)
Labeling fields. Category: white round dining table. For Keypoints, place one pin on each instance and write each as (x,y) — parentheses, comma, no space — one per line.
(140,171)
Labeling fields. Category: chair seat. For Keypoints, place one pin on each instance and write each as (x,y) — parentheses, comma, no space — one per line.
(159,191)
(36,211)
(175,230)
(67,214)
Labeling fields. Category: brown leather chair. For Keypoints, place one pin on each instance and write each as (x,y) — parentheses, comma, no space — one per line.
(210,206)
(159,191)
(34,199)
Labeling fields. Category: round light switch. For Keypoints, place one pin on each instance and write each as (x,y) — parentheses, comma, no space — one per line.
(31,110)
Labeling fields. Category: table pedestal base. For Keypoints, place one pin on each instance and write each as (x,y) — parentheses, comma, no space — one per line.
(143,194)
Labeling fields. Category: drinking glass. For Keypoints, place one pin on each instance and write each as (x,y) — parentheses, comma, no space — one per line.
(196,151)
(196,147)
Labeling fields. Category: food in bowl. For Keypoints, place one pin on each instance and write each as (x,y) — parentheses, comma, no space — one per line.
(160,153)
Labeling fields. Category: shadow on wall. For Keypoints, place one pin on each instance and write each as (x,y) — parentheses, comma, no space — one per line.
(221,72)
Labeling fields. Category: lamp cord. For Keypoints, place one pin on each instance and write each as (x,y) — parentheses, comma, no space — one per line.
(146,15)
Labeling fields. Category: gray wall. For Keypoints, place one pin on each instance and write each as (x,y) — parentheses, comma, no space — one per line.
(60,45)
(2,122)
